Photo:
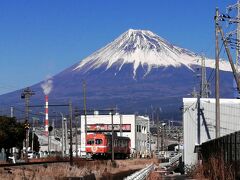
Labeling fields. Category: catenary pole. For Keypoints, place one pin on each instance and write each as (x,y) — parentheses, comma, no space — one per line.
(217,106)
(85,112)
(112,136)
(70,133)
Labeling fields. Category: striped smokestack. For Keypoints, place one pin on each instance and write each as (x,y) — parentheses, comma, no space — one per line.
(47,87)
(46,112)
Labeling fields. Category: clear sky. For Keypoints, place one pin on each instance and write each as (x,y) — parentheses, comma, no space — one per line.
(43,37)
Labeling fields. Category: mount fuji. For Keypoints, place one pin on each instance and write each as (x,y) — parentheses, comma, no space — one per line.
(136,71)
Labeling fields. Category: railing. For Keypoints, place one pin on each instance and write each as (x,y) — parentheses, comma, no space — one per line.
(2,154)
(142,174)
(175,158)
(171,160)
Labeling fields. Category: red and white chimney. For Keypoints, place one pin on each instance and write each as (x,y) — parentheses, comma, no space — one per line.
(46,112)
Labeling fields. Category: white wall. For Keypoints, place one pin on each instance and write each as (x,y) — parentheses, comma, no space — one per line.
(106,119)
(141,137)
(229,122)
(136,138)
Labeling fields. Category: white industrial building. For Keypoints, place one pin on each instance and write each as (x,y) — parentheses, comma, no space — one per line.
(132,126)
(229,122)
(54,145)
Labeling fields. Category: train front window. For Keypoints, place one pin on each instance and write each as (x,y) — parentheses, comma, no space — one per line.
(90,141)
(98,141)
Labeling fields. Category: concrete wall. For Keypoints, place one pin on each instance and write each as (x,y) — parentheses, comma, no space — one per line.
(229,122)
(141,135)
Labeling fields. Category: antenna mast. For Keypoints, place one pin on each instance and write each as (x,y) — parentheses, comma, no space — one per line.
(204,91)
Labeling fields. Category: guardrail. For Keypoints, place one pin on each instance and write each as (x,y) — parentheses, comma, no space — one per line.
(142,174)
(171,160)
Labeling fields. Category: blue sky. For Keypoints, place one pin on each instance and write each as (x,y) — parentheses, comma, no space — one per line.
(43,37)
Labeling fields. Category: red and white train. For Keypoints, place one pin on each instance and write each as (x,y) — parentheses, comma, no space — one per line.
(100,146)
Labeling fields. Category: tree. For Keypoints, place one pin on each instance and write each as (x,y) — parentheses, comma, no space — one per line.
(12,133)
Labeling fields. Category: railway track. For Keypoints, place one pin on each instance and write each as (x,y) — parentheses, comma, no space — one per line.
(42,162)
(32,163)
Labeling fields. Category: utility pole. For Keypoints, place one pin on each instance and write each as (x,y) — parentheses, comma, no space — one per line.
(158,130)
(169,126)
(33,131)
(204,84)
(48,143)
(85,114)
(238,38)
(233,43)
(66,135)
(152,114)
(50,128)
(121,131)
(194,92)
(178,134)
(53,124)
(198,120)
(34,126)
(70,121)
(112,135)
(26,94)
(217,74)
(237,31)
(163,136)
(51,134)
(236,41)
(76,138)
(235,74)
(63,132)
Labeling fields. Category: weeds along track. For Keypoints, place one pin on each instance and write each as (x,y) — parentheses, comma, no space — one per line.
(43,161)
(46,169)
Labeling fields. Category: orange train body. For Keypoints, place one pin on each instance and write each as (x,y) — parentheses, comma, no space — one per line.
(100,145)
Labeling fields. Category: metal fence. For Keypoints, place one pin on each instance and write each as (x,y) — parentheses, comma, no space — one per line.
(2,154)
(172,160)
(226,148)
(142,174)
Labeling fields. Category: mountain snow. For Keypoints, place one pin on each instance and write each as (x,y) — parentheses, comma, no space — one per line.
(143,48)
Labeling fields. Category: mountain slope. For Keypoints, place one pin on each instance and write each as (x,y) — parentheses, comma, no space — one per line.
(136,71)
(143,48)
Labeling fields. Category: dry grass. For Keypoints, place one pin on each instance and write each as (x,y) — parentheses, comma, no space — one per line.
(53,158)
(213,169)
(80,168)
(154,176)
(40,172)
(3,162)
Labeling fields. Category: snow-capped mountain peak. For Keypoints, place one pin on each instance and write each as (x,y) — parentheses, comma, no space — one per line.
(142,48)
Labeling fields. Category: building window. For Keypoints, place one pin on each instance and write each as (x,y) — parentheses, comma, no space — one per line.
(138,128)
